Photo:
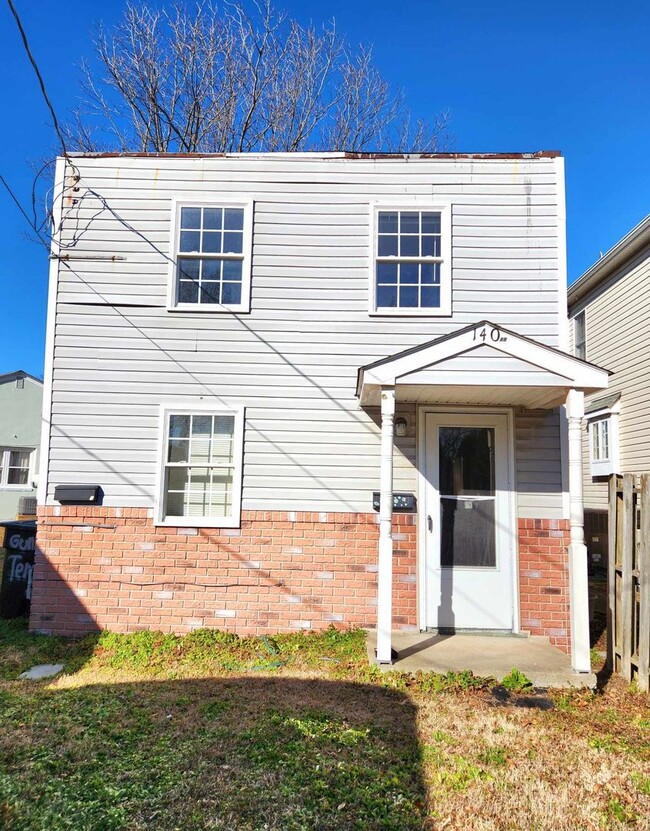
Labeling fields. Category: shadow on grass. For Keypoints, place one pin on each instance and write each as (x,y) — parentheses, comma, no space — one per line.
(227,753)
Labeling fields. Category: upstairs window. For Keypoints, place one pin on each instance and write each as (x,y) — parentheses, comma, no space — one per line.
(580,336)
(411,264)
(15,468)
(212,263)
(603,423)
(201,468)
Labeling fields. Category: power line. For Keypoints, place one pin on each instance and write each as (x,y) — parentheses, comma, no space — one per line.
(41,82)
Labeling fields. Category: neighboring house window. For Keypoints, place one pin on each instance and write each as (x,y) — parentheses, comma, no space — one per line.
(15,468)
(580,336)
(212,262)
(412,261)
(202,468)
(604,440)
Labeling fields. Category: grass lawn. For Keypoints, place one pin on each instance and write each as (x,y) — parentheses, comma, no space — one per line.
(209,731)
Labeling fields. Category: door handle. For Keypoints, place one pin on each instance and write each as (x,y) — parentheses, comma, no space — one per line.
(430,524)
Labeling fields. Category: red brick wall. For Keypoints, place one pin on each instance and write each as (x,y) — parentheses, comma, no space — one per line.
(113,569)
(544,579)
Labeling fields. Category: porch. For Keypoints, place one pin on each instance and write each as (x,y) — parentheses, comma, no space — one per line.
(492,656)
(467,387)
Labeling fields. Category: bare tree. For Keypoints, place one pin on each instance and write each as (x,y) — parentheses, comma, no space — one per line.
(238,78)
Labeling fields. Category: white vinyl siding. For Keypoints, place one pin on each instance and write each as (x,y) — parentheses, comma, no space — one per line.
(293,360)
(618,329)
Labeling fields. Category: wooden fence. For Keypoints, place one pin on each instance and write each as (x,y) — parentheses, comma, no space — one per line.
(628,613)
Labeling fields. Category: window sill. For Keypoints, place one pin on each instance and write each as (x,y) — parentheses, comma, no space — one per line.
(17,488)
(198,522)
(202,308)
(604,468)
(410,313)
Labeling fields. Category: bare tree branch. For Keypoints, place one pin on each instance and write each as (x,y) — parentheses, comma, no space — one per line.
(239,77)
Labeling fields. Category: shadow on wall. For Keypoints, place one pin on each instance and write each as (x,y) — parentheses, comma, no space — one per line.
(242,752)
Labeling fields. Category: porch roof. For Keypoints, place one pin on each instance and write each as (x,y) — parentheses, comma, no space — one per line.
(481,364)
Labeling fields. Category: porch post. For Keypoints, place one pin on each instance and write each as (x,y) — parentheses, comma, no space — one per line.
(578,580)
(385,566)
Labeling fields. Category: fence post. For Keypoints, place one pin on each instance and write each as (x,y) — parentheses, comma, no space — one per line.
(612,535)
(643,566)
(626,575)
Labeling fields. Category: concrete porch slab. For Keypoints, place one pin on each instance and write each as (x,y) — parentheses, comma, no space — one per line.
(484,655)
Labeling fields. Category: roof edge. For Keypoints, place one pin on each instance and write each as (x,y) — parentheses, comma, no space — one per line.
(320,154)
(609,262)
(19,373)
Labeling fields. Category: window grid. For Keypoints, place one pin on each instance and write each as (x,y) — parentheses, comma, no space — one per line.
(408,262)
(580,336)
(14,467)
(600,440)
(200,466)
(210,255)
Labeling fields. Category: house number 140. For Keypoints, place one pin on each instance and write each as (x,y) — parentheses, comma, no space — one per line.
(493,334)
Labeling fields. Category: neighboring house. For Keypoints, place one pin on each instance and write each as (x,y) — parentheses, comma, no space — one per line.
(21,405)
(610,325)
(245,351)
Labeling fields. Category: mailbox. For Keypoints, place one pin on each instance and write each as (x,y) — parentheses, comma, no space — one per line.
(78,494)
(403,503)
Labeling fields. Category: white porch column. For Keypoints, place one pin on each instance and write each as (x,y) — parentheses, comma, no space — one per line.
(578,581)
(385,566)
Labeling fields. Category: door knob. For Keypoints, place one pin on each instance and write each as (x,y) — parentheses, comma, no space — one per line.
(429,523)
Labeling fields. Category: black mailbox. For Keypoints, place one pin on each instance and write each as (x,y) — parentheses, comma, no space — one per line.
(78,494)
(403,503)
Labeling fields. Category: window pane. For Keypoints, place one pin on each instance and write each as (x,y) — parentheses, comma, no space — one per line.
(466,461)
(231,293)
(201,425)
(211,242)
(430,273)
(387,297)
(190,217)
(213,218)
(178,450)
(179,426)
(234,219)
(17,476)
(387,246)
(211,269)
(188,292)
(409,246)
(386,272)
(177,478)
(233,242)
(222,440)
(604,439)
(387,222)
(220,494)
(409,222)
(430,297)
(190,241)
(175,504)
(189,269)
(408,297)
(210,292)
(430,246)
(408,273)
(430,223)
(595,441)
(232,270)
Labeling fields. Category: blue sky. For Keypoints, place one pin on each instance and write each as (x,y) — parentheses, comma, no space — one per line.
(573,76)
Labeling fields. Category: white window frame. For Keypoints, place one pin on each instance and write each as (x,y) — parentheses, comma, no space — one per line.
(202,408)
(602,466)
(4,468)
(416,204)
(229,201)
(582,315)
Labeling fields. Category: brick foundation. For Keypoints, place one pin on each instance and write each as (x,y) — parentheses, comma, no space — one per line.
(111,568)
(544,579)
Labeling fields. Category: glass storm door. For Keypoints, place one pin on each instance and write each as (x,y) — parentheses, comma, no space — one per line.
(468,524)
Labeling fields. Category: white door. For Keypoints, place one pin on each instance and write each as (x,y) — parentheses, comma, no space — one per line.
(468,534)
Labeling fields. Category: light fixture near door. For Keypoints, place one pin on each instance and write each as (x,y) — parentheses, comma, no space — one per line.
(401,426)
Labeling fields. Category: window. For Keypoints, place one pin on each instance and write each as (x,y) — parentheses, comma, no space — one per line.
(580,337)
(412,261)
(603,439)
(202,468)
(15,468)
(212,263)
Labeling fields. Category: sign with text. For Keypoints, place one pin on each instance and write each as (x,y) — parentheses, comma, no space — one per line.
(16,586)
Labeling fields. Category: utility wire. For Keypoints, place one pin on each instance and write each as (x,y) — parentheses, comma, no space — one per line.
(41,82)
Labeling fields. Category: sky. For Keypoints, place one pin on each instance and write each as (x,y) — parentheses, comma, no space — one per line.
(515,76)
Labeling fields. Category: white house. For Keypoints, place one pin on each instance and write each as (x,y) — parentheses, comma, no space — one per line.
(248,355)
